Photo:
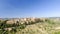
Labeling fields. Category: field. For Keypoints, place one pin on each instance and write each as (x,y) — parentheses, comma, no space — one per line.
(30,26)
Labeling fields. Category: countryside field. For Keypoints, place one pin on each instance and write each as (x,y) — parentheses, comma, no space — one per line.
(30,25)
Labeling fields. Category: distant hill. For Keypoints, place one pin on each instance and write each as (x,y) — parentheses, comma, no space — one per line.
(49,25)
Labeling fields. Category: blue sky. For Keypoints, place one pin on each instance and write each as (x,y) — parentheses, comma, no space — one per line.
(29,8)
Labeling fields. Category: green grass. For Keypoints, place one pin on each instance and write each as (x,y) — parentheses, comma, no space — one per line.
(56,32)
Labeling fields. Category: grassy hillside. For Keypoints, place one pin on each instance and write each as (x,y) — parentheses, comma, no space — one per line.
(30,26)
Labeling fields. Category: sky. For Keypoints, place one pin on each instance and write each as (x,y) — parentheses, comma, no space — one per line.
(29,8)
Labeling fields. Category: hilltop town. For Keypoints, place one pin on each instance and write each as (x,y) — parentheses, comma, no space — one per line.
(30,25)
